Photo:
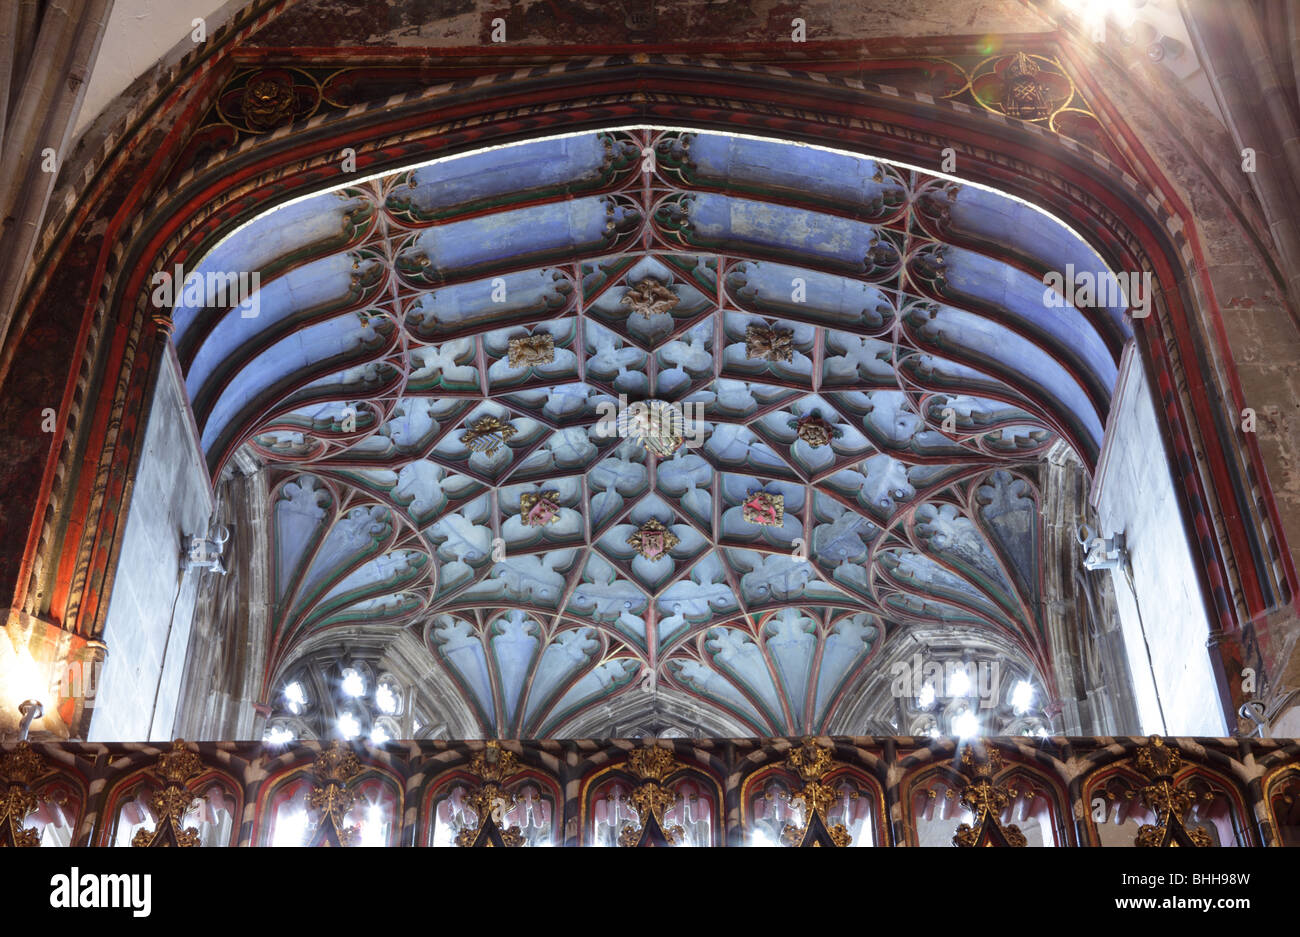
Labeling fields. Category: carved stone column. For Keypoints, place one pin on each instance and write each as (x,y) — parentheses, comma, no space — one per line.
(228,644)
(1082,622)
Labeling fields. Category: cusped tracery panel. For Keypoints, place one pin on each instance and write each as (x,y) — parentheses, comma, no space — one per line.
(652,800)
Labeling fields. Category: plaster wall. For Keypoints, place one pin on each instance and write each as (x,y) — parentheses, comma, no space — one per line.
(1134,494)
(149,615)
(142,35)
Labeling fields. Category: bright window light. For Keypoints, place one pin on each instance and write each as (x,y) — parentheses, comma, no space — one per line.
(1123,11)
(295,697)
(290,829)
(1022,697)
(934,732)
(386,699)
(966,725)
(353,683)
(349,727)
(278,735)
(372,831)
(379,736)
(760,838)
(958,682)
(926,699)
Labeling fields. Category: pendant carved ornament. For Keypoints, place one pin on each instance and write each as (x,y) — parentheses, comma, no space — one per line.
(537,509)
(653,540)
(813,762)
(769,343)
(764,509)
(986,801)
(652,799)
(658,425)
(489,801)
(1170,802)
(331,800)
(814,430)
(170,804)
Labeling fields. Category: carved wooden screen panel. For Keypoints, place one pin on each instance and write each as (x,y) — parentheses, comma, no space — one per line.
(448,811)
(371,809)
(213,815)
(684,804)
(773,808)
(1282,793)
(1117,813)
(60,803)
(935,808)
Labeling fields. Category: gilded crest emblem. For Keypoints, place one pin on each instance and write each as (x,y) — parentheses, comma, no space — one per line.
(653,540)
(487,435)
(764,509)
(537,509)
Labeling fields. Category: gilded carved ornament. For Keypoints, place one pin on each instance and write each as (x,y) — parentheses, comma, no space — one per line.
(330,800)
(487,435)
(173,800)
(812,761)
(490,803)
(652,540)
(651,799)
(1170,802)
(531,350)
(650,298)
(19,768)
(986,801)
(764,508)
(537,509)
(769,343)
(814,430)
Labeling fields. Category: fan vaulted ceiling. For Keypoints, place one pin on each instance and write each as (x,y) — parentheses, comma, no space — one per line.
(863,344)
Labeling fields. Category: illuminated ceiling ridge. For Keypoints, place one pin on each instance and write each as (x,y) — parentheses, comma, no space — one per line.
(861,351)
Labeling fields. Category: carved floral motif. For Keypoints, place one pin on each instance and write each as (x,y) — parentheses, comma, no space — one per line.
(814,430)
(652,798)
(531,350)
(650,298)
(490,802)
(19,768)
(812,762)
(769,343)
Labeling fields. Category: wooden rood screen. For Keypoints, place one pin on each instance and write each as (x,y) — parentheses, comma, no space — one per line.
(679,793)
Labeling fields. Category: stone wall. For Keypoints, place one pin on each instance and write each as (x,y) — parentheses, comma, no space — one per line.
(1134,494)
(149,616)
